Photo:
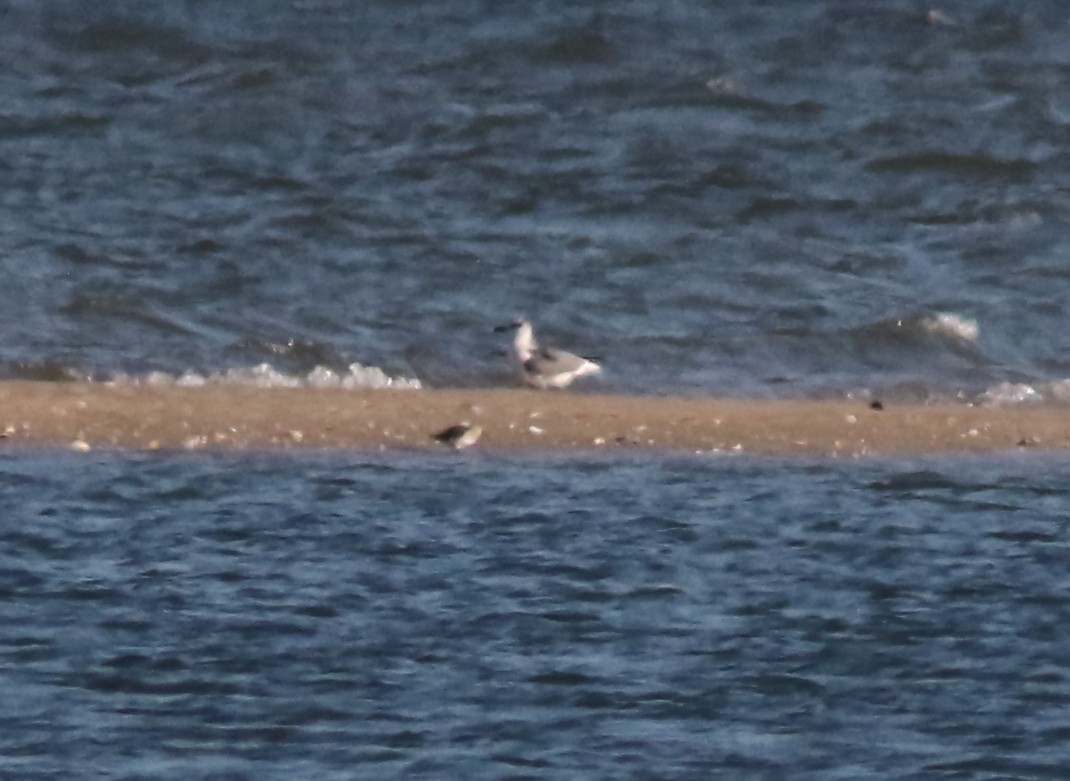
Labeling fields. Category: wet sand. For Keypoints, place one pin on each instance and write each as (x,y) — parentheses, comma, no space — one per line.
(88,416)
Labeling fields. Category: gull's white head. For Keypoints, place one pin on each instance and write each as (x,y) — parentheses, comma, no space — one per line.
(524,344)
(524,341)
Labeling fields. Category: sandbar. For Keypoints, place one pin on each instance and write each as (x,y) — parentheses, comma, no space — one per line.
(89,416)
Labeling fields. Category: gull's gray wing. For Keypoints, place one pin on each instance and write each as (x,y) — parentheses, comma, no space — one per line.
(548,361)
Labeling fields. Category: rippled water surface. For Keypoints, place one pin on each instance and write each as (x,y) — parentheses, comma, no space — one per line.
(254,617)
(755,199)
(745,198)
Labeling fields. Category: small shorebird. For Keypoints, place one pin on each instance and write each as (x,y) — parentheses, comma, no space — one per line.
(546,367)
(460,436)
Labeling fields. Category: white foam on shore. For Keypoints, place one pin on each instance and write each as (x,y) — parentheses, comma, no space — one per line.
(356,377)
(1009,393)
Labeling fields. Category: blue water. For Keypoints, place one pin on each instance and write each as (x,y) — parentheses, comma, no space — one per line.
(344,616)
(749,199)
(778,199)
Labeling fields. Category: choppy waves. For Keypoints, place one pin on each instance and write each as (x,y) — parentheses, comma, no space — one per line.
(1011,393)
(355,377)
(362,616)
(905,356)
(957,337)
(786,200)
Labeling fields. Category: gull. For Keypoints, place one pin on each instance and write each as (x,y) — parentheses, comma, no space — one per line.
(459,436)
(546,367)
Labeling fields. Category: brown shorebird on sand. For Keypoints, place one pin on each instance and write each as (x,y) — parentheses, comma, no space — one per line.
(460,436)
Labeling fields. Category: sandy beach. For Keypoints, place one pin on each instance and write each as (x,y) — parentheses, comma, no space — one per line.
(86,416)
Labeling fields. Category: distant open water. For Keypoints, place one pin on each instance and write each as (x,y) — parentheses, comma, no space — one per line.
(206,616)
(755,199)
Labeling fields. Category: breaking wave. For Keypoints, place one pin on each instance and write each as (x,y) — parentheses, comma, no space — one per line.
(951,324)
(355,377)
(1012,393)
